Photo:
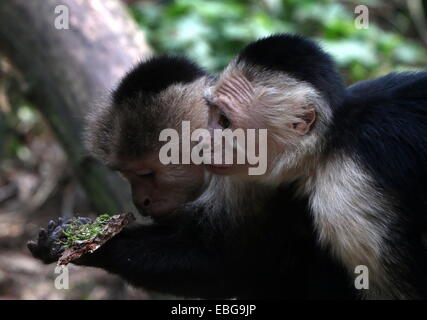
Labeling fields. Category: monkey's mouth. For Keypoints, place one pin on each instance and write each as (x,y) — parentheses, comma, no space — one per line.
(156,211)
(151,213)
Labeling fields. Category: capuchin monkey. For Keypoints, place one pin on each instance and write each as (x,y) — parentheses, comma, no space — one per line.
(358,154)
(210,238)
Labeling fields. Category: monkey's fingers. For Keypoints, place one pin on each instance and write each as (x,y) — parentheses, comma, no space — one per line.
(33,247)
(51,226)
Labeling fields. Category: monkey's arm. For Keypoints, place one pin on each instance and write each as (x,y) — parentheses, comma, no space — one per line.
(178,262)
(155,257)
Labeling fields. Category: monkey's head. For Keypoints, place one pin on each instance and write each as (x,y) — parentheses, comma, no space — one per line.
(124,133)
(283,83)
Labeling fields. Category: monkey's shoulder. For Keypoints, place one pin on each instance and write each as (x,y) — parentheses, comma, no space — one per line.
(383,125)
(393,106)
(397,85)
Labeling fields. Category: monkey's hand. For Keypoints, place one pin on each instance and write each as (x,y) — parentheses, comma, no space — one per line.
(47,247)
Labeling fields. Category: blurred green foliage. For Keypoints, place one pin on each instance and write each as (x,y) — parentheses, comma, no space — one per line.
(212,32)
(16,127)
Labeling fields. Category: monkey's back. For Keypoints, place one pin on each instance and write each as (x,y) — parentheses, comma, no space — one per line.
(383,127)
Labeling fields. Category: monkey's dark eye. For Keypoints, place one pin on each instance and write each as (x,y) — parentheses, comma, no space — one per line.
(144,173)
(224,121)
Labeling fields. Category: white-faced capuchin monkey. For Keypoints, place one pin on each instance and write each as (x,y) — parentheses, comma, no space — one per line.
(359,155)
(205,242)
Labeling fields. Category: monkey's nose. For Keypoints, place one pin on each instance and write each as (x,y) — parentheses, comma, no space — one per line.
(144,204)
(144,207)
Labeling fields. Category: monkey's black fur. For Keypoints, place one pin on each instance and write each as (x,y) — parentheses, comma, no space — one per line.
(300,58)
(155,75)
(383,123)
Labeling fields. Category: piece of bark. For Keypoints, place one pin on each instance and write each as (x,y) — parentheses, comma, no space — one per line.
(113,227)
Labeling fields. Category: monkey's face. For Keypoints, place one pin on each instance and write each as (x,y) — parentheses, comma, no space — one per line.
(282,110)
(222,118)
(231,109)
(157,189)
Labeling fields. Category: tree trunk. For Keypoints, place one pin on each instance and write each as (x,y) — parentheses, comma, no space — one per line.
(66,70)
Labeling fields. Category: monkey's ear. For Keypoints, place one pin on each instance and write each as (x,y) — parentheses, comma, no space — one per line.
(308,118)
